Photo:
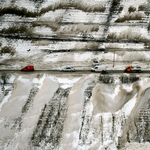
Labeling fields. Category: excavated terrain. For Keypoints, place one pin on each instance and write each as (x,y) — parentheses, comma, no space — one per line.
(44,111)
(74,111)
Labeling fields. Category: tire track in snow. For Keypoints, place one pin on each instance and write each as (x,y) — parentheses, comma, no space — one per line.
(86,116)
(18,121)
(50,125)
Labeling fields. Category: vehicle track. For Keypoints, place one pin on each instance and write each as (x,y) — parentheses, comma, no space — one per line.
(51,121)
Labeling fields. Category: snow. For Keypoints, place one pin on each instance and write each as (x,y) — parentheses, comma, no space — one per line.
(127,87)
(46,60)
(127,32)
(82,56)
(43,30)
(94,135)
(81,17)
(76,139)
(116,82)
(66,83)
(137,146)
(2,119)
(29,5)
(11,79)
(124,46)
(116,91)
(52,16)
(129,105)
(23,79)
(128,3)
(39,82)
(5,100)
(52,2)
(7,87)
(51,58)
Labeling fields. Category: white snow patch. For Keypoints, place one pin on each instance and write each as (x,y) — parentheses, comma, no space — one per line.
(76,138)
(127,87)
(80,16)
(52,15)
(67,135)
(29,5)
(49,2)
(143,81)
(53,78)
(127,108)
(117,80)
(2,119)
(51,58)
(74,114)
(23,79)
(11,79)
(82,56)
(116,91)
(5,56)
(66,83)
(124,45)
(130,32)
(107,127)
(7,87)
(39,82)
(130,105)
(128,3)
(43,30)
(5,100)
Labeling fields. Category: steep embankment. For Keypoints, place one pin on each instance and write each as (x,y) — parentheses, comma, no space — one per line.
(42,111)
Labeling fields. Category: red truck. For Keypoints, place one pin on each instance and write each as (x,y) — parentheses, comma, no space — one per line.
(28,68)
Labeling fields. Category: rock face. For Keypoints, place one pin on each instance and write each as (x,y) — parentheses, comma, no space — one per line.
(45,113)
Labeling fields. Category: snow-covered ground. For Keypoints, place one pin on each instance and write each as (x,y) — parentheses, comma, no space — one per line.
(75,27)
(96,114)
(80,112)
(41,57)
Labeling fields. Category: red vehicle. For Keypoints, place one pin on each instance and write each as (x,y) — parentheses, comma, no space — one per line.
(28,68)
